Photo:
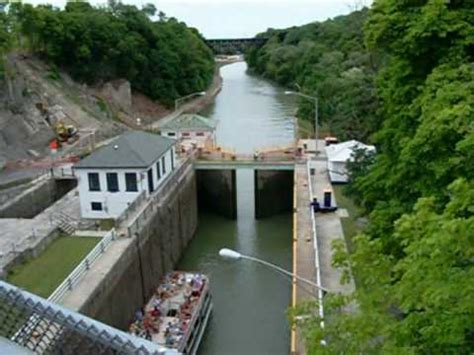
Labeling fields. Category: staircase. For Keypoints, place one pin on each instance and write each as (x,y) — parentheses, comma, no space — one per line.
(65,223)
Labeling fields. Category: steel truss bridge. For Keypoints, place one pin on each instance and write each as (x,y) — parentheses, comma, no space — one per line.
(235,45)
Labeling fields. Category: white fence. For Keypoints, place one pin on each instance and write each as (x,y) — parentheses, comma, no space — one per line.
(81,269)
(316,248)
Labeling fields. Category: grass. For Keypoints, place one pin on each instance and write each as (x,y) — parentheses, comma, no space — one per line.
(42,275)
(349,224)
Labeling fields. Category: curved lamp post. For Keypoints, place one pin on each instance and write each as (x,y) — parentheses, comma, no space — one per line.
(178,101)
(316,117)
(234,255)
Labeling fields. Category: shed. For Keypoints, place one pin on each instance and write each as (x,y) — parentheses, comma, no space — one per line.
(339,154)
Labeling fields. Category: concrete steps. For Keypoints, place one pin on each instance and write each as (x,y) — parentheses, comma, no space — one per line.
(65,223)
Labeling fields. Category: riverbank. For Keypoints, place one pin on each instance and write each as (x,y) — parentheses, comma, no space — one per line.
(201,102)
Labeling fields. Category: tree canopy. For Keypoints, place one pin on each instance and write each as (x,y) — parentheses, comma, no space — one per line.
(328,60)
(414,262)
(5,35)
(164,59)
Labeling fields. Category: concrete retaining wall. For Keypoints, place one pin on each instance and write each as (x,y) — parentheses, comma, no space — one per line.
(37,198)
(273,192)
(217,192)
(154,250)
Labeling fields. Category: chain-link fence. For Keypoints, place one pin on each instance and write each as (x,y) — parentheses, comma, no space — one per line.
(47,328)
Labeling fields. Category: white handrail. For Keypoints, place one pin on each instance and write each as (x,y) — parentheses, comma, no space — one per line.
(316,248)
(75,276)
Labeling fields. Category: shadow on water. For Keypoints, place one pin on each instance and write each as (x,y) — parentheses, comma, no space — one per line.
(250,301)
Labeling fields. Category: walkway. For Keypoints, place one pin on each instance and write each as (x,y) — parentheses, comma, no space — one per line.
(328,229)
(20,234)
(304,253)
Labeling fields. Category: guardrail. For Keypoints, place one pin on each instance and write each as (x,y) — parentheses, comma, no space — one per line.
(75,276)
(316,249)
(153,202)
(34,321)
(132,208)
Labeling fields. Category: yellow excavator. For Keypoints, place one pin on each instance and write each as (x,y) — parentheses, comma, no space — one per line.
(65,133)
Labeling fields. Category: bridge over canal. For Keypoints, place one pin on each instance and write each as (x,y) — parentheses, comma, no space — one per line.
(234,45)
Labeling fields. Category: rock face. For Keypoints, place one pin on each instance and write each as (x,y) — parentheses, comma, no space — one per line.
(32,102)
(22,127)
(118,93)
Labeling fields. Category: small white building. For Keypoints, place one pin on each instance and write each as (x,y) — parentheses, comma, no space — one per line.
(339,154)
(114,176)
(190,128)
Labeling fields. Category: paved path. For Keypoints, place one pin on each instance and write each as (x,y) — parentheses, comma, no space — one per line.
(304,252)
(20,234)
(328,229)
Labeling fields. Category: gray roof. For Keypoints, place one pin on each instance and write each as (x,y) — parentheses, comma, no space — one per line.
(190,121)
(134,149)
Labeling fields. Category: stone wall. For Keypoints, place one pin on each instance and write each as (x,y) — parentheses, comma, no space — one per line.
(217,192)
(273,192)
(30,202)
(150,253)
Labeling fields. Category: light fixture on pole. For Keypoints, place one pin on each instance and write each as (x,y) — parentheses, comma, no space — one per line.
(178,101)
(234,255)
(316,117)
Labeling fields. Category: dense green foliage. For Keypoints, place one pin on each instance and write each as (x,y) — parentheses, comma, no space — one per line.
(5,36)
(163,59)
(328,60)
(415,261)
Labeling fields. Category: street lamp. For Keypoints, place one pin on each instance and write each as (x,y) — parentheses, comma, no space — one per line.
(234,255)
(316,118)
(177,101)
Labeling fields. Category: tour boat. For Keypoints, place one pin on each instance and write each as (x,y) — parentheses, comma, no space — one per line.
(177,314)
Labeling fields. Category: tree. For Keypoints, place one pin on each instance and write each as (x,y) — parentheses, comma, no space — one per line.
(328,60)
(163,59)
(149,10)
(414,262)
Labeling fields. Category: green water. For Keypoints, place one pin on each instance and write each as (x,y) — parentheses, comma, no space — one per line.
(250,301)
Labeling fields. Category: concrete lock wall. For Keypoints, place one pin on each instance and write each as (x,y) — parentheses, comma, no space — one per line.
(154,250)
(34,200)
(217,192)
(273,192)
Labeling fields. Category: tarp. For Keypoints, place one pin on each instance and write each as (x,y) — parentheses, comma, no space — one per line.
(342,152)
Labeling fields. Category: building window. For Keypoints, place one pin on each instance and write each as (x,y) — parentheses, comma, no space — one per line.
(185,134)
(158,170)
(94,182)
(131,182)
(163,165)
(96,206)
(171,134)
(112,182)
(172,159)
(200,134)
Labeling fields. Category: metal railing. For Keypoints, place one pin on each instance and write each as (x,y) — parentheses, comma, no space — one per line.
(317,263)
(75,276)
(131,209)
(154,201)
(23,247)
(62,331)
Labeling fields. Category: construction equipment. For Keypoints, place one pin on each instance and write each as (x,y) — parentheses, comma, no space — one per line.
(65,132)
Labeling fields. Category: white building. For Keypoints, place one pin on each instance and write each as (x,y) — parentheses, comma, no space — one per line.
(190,128)
(114,176)
(338,156)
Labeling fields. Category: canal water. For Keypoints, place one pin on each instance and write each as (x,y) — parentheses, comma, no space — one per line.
(250,301)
